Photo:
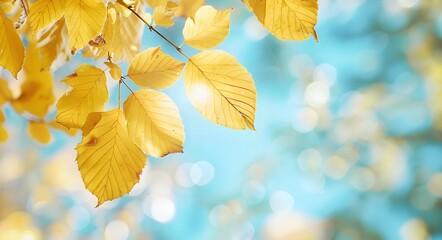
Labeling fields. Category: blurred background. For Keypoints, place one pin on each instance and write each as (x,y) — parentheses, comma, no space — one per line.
(348,143)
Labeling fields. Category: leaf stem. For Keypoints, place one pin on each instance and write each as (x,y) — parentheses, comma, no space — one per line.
(119,93)
(152,29)
(127,86)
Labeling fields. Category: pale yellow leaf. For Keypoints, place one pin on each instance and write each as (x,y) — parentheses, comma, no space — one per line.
(42,13)
(109,162)
(12,51)
(84,20)
(155,3)
(208,29)
(154,69)
(126,42)
(88,94)
(36,91)
(115,70)
(53,43)
(188,8)
(221,89)
(154,123)
(107,33)
(39,132)
(163,15)
(287,19)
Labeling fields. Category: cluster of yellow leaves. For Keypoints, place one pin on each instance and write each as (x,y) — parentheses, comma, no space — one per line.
(112,153)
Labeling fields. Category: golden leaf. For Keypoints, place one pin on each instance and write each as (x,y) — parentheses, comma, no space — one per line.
(208,29)
(12,51)
(107,33)
(84,20)
(88,94)
(126,42)
(5,93)
(188,8)
(156,3)
(163,15)
(154,69)
(221,89)
(287,19)
(7,5)
(55,125)
(115,70)
(42,13)
(154,123)
(39,132)
(109,163)
(3,132)
(36,91)
(53,44)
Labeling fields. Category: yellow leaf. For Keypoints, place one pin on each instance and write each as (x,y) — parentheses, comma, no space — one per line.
(36,91)
(156,3)
(5,93)
(54,45)
(208,29)
(3,132)
(7,5)
(188,8)
(221,89)
(107,33)
(84,20)
(109,163)
(126,42)
(154,123)
(12,51)
(58,126)
(287,19)
(44,12)
(163,15)
(88,94)
(115,70)
(154,69)
(39,132)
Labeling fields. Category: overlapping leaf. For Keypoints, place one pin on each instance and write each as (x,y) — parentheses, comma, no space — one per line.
(53,43)
(208,29)
(287,19)
(84,20)
(12,51)
(154,123)
(88,94)
(154,69)
(221,89)
(44,12)
(109,163)
(188,8)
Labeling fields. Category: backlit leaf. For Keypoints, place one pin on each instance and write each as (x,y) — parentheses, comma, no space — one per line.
(163,15)
(109,163)
(12,51)
(5,93)
(287,19)
(208,29)
(54,45)
(154,123)
(88,94)
(55,125)
(115,70)
(39,132)
(44,12)
(3,132)
(188,8)
(154,69)
(84,20)
(221,89)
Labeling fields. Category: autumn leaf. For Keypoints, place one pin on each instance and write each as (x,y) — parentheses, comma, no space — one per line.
(36,91)
(3,132)
(39,131)
(109,163)
(221,89)
(163,14)
(88,94)
(287,19)
(5,93)
(208,29)
(154,123)
(84,20)
(58,126)
(12,51)
(42,13)
(53,44)
(154,69)
(115,70)
(188,8)
(107,33)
